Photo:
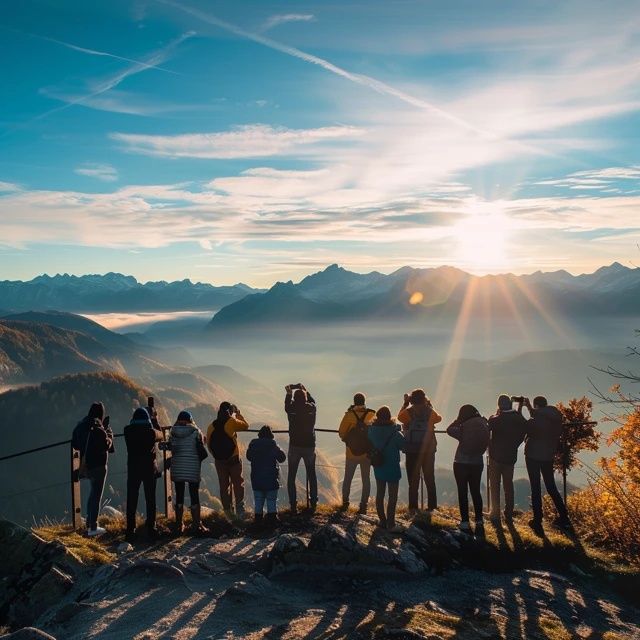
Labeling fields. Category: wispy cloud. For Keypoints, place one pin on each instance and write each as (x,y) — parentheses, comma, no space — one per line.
(283,18)
(248,141)
(598,179)
(104,172)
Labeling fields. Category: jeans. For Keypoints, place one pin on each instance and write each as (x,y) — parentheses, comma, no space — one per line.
(498,472)
(535,469)
(308,455)
(468,478)
(230,475)
(96,477)
(134,480)
(350,467)
(389,518)
(424,462)
(194,493)
(271,497)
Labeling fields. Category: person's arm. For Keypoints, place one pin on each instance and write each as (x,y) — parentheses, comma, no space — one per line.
(236,423)
(310,399)
(345,425)
(281,456)
(288,400)
(404,417)
(404,410)
(208,438)
(455,430)
(110,440)
(401,440)
(435,417)
(250,451)
(369,417)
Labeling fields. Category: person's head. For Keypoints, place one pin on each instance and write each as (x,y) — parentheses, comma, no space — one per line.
(184,417)
(504,403)
(539,402)
(140,415)
(265,432)
(299,396)
(467,411)
(359,400)
(383,415)
(96,410)
(418,397)
(224,411)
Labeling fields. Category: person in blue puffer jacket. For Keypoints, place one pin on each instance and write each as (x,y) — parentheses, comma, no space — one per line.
(264,454)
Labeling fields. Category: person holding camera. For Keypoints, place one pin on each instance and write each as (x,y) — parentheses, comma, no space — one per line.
(507,429)
(418,418)
(353,432)
(386,444)
(187,453)
(544,429)
(300,408)
(222,440)
(93,438)
(141,438)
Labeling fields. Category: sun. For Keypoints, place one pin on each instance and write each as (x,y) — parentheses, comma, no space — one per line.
(482,240)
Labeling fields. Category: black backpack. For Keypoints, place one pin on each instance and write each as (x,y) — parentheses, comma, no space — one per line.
(356,438)
(418,432)
(221,444)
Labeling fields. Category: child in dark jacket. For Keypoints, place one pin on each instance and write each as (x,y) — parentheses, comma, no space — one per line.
(264,454)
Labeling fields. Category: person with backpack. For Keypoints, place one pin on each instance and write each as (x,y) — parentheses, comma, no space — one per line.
(507,429)
(418,418)
(386,442)
(222,440)
(264,454)
(471,431)
(544,430)
(93,438)
(353,432)
(141,438)
(187,453)
(300,408)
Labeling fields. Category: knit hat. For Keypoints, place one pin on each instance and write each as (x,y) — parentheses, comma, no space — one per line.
(265,432)
(185,416)
(97,411)
(504,403)
(140,415)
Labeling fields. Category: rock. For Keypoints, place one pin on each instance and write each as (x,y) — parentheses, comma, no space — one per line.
(125,547)
(152,568)
(578,571)
(450,540)
(382,554)
(27,633)
(333,539)
(287,550)
(255,585)
(416,536)
(70,610)
(112,513)
(408,561)
(48,591)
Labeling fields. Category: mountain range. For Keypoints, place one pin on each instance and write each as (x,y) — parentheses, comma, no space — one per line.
(114,292)
(336,294)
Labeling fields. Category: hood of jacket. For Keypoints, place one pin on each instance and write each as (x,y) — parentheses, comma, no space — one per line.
(183,430)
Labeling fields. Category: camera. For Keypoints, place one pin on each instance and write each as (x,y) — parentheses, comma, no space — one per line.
(164,446)
(518,399)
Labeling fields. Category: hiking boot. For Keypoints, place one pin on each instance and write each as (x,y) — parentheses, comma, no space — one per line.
(536,527)
(344,506)
(152,533)
(294,509)
(272,520)
(313,506)
(464,526)
(96,531)
(197,526)
(130,536)
(363,509)
(382,523)
(179,528)
(479,532)
(258,520)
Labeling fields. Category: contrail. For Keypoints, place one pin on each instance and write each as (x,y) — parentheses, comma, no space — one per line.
(364,80)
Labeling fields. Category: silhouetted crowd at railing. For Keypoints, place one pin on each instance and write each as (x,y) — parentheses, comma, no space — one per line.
(372,439)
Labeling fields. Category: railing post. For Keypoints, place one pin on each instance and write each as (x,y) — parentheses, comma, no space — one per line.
(166,467)
(488,485)
(76,508)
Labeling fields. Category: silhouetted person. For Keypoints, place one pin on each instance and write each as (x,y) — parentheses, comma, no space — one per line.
(187,452)
(301,412)
(93,438)
(386,438)
(507,429)
(141,438)
(223,443)
(472,432)
(544,429)
(418,418)
(353,432)
(264,454)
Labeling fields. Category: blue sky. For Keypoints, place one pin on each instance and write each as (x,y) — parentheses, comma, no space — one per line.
(254,141)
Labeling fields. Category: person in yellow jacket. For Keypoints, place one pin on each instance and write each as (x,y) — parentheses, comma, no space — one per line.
(357,414)
(418,418)
(222,441)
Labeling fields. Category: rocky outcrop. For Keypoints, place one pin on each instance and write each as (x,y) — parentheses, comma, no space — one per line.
(36,574)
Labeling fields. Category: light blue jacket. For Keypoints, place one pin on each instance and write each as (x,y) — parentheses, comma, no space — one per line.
(387,438)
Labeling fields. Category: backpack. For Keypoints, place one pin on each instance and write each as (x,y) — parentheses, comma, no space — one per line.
(356,438)
(376,456)
(221,444)
(417,431)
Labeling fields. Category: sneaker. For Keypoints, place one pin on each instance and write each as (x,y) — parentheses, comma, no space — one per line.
(464,527)
(98,531)
(479,533)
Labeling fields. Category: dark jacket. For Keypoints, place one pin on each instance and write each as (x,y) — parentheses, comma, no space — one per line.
(507,430)
(94,441)
(264,454)
(473,438)
(544,429)
(141,439)
(302,421)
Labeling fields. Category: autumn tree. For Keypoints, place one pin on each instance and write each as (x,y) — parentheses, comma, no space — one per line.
(579,433)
